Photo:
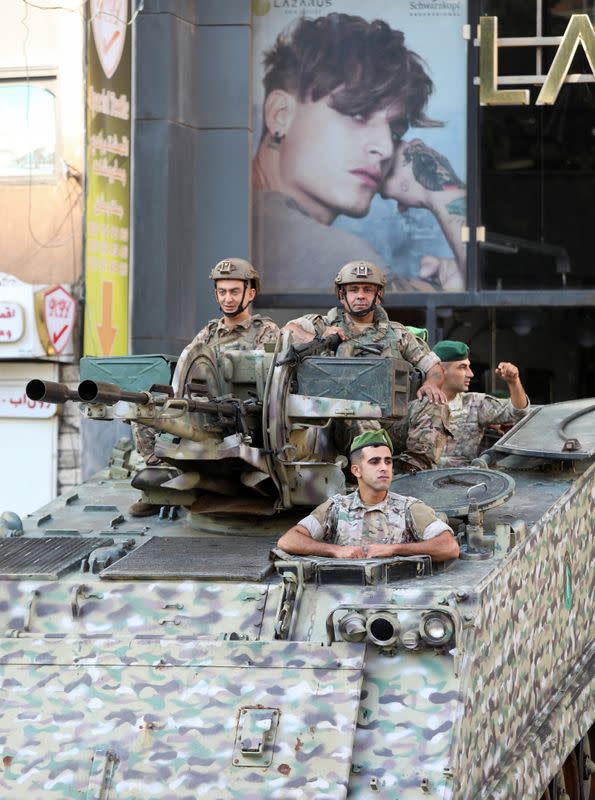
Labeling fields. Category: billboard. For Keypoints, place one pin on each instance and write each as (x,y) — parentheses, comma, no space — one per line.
(359,121)
(107,207)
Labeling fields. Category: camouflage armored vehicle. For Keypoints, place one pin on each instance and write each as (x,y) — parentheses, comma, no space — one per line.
(183,656)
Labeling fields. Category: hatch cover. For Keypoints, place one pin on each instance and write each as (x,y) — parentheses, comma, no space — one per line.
(171,718)
(221,558)
(561,430)
(451,490)
(46,558)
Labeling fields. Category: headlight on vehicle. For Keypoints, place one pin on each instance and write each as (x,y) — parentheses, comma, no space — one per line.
(437,628)
(353,627)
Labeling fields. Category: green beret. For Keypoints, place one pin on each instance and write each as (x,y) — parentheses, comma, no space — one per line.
(451,351)
(371,439)
(420,333)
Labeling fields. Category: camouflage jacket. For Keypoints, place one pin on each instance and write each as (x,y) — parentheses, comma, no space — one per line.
(345,520)
(386,338)
(470,415)
(251,334)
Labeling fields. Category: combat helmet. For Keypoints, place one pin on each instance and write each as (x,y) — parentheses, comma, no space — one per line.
(236,269)
(359,272)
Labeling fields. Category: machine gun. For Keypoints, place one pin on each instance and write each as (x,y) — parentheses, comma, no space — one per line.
(244,429)
(296,353)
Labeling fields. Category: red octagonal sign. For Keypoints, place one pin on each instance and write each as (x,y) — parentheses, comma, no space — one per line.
(59,307)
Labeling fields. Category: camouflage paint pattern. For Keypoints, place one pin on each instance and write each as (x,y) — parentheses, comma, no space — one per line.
(169,710)
(142,671)
(410,700)
(527,639)
(135,607)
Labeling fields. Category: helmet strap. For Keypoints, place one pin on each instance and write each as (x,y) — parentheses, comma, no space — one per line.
(240,308)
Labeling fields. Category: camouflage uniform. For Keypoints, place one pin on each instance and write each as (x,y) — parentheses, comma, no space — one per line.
(470,415)
(384,337)
(251,334)
(346,520)
(421,439)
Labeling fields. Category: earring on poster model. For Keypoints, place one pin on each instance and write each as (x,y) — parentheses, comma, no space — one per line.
(278,137)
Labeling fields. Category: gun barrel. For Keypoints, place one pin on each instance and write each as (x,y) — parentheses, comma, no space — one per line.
(50,391)
(109,393)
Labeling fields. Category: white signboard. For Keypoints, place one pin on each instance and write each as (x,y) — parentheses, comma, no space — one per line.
(36,321)
(59,307)
(15,403)
(29,442)
(12,322)
(108,20)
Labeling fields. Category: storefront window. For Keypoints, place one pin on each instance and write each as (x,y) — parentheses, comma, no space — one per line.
(538,162)
(28,131)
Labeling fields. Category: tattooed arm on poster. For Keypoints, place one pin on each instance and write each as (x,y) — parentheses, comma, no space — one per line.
(423,178)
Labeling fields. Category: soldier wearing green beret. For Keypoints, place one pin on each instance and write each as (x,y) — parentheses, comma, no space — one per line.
(472,412)
(371,522)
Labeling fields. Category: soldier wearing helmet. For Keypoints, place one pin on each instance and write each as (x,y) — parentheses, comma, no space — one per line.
(236,285)
(365,330)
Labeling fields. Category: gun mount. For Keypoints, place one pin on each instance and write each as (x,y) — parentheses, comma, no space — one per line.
(253,430)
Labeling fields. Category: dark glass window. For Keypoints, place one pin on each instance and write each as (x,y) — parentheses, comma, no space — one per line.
(538,163)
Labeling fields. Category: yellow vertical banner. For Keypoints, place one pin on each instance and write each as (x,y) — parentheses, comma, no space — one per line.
(108,159)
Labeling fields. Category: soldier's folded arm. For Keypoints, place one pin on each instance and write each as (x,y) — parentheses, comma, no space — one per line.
(441,548)
(432,537)
(307,538)
(299,542)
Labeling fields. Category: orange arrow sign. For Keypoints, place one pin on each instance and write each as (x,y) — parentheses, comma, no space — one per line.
(106,332)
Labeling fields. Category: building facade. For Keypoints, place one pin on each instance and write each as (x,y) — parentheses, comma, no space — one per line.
(41,211)
(526,292)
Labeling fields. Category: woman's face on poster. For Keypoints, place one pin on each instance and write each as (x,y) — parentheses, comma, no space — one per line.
(333,162)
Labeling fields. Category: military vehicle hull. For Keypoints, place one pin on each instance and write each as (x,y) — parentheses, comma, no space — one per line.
(184,656)
(185,664)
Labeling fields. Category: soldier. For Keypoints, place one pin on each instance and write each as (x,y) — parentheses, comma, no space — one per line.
(236,285)
(472,412)
(371,522)
(365,330)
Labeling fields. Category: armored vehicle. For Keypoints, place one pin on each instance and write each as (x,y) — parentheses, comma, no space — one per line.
(185,656)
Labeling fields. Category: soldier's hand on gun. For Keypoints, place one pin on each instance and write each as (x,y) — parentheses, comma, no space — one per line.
(507,371)
(331,330)
(349,551)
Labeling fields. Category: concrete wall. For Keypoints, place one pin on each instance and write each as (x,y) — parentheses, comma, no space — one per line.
(192,165)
